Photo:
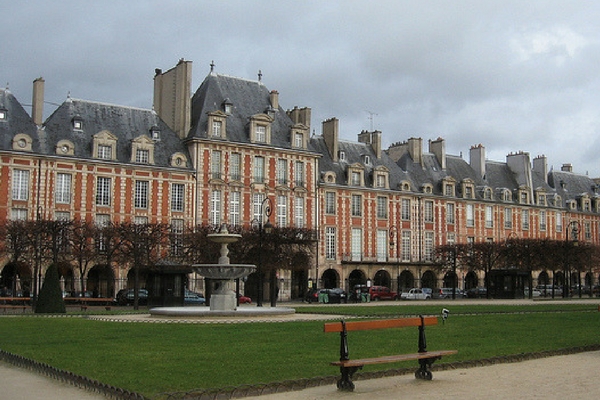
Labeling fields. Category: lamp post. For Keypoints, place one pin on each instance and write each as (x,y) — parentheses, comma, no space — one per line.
(266,208)
(394,234)
(573,228)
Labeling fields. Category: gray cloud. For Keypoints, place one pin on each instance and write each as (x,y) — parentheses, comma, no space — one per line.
(511,75)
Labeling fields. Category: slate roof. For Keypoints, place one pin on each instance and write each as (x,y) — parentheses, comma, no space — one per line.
(126,123)
(248,98)
(17,121)
(571,186)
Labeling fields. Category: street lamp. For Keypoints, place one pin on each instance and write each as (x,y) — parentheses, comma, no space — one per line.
(573,228)
(266,208)
(394,234)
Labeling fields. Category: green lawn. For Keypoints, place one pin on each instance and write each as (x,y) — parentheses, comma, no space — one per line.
(152,358)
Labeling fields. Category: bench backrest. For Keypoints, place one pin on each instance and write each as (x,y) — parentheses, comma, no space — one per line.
(379,324)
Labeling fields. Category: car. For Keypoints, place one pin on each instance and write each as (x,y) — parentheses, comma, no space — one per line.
(312,295)
(333,295)
(534,293)
(193,298)
(476,293)
(382,293)
(244,299)
(415,294)
(126,297)
(546,290)
(446,293)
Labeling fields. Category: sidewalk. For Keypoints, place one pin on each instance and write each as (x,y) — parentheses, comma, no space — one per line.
(562,377)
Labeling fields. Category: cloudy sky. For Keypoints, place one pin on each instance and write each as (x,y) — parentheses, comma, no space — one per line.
(511,75)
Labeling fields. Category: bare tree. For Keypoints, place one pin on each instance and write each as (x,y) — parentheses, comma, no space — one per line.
(83,248)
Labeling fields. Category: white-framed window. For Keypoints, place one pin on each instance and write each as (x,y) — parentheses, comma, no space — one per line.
(257,200)
(382,207)
(559,222)
(543,220)
(103,195)
(216,128)
(299,212)
(20,184)
(62,216)
(259,169)
(330,203)
(405,253)
(356,205)
(330,243)
(525,220)
(298,140)
(62,193)
(141,194)
(489,217)
(356,244)
(588,231)
(3,115)
(234,207)
(282,207)
(428,246)
(382,245)
(380,181)
(470,215)
(140,220)
(508,224)
(282,171)
(405,211)
(355,178)
(261,133)
(18,214)
(176,240)
(104,152)
(450,213)
(299,174)
(235,166)
(142,156)
(215,207)
(428,212)
(177,196)
(215,164)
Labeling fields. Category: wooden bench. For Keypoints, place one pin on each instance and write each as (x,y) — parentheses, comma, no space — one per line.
(349,367)
(85,302)
(14,303)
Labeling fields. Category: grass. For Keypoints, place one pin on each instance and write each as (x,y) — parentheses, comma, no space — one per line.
(169,357)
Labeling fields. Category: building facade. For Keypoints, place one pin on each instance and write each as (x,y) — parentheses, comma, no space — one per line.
(223,153)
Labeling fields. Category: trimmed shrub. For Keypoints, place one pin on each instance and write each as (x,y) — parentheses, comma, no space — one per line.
(50,300)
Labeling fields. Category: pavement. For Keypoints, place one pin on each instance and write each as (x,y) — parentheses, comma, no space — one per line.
(569,376)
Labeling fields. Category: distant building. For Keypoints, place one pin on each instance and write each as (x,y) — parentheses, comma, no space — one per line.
(214,156)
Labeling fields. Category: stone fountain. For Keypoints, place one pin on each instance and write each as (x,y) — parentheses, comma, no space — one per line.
(223,300)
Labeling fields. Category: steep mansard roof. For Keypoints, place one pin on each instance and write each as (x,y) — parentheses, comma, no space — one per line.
(126,123)
(17,121)
(248,98)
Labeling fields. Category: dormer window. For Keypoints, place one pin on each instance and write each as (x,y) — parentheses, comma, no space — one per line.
(155,133)
(3,114)
(507,195)
(355,178)
(104,152)
(366,160)
(260,128)
(260,133)
(142,149)
(77,123)
(299,140)
(342,155)
(217,128)
(487,194)
(270,111)
(227,106)
(142,156)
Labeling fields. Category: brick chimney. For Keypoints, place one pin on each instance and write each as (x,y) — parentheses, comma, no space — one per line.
(37,108)
(438,148)
(172,97)
(477,159)
(274,98)
(540,165)
(331,136)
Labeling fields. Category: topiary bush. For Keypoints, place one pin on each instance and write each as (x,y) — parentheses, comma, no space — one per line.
(50,299)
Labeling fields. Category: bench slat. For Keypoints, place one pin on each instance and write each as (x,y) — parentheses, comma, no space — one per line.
(391,359)
(379,324)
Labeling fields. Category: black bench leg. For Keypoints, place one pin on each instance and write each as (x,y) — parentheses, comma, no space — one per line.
(424,371)
(345,383)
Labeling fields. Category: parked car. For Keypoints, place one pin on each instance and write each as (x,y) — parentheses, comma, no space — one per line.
(415,294)
(334,295)
(546,291)
(478,292)
(193,298)
(244,299)
(446,293)
(382,293)
(126,297)
(312,295)
(535,292)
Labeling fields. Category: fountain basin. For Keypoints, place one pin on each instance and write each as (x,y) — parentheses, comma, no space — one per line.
(224,271)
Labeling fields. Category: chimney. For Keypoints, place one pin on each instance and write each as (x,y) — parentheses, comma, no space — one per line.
(477,159)
(567,168)
(438,148)
(372,138)
(397,150)
(331,136)
(274,98)
(37,108)
(415,149)
(172,97)
(300,116)
(540,165)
